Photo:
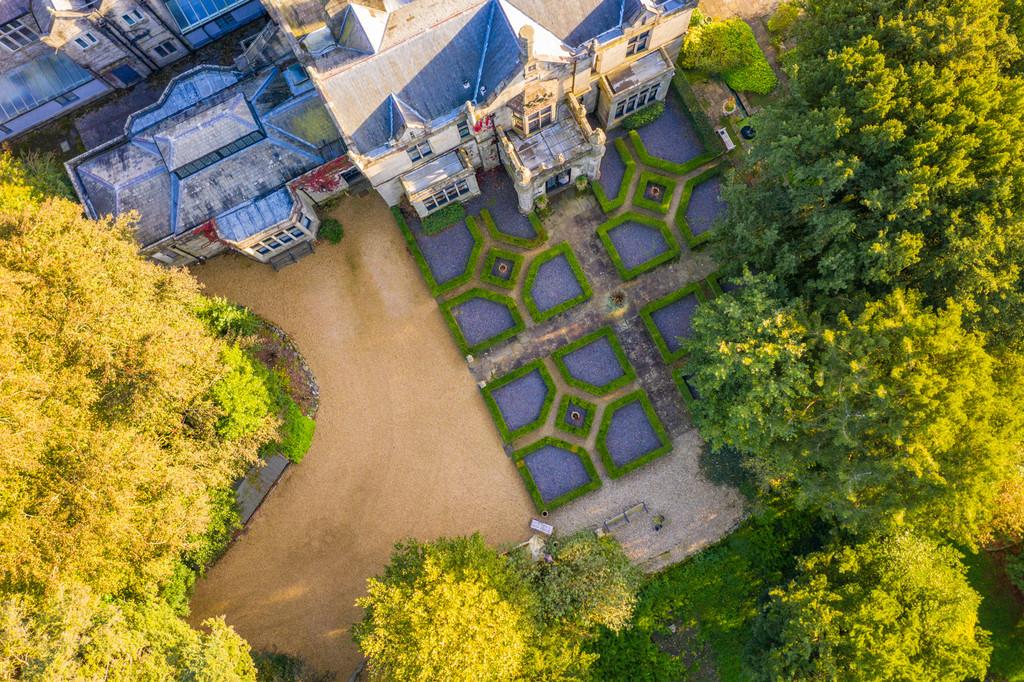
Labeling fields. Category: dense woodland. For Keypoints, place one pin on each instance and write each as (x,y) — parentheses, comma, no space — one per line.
(861,381)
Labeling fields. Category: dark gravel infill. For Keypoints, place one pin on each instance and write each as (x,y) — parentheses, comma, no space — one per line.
(673,321)
(705,206)
(498,195)
(612,171)
(556,471)
(595,363)
(481,319)
(521,401)
(555,283)
(630,434)
(637,243)
(672,137)
(447,252)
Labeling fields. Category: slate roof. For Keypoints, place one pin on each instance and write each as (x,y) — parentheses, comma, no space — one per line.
(255,216)
(206,131)
(205,109)
(12,9)
(577,21)
(431,61)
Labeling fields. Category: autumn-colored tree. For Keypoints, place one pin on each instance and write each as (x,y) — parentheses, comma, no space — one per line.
(122,421)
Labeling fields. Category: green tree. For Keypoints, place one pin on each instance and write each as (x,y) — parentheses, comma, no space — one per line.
(729,49)
(896,608)
(899,416)
(589,583)
(897,161)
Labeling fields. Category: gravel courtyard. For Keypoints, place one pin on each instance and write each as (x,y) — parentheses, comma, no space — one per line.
(404,445)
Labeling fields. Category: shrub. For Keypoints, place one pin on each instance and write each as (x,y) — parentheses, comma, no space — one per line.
(226,319)
(730,50)
(649,114)
(442,218)
(273,666)
(242,394)
(295,434)
(331,230)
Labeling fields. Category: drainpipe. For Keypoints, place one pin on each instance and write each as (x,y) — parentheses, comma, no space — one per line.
(112,32)
(173,30)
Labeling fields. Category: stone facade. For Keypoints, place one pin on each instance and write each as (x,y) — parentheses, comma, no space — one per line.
(56,55)
(508,82)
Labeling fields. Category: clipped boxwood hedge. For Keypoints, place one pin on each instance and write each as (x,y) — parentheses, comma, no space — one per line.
(521,242)
(664,165)
(453,325)
(520,455)
(579,431)
(647,315)
(639,198)
(629,374)
(612,469)
(443,218)
(694,240)
(632,273)
(414,248)
(649,114)
(610,204)
(531,276)
(510,435)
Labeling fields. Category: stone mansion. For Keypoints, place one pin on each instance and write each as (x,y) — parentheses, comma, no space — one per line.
(409,96)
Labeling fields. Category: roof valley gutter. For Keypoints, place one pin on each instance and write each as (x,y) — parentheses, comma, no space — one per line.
(483,52)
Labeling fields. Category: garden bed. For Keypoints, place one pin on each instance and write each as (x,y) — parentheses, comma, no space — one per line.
(501,268)
(480,319)
(637,243)
(668,320)
(575,415)
(520,401)
(554,283)
(672,136)
(556,472)
(498,206)
(631,435)
(700,206)
(445,259)
(595,363)
(617,172)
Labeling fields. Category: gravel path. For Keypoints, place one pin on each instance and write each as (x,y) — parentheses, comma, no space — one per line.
(404,445)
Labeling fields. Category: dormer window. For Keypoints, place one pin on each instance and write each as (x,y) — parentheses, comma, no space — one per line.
(86,40)
(132,17)
(420,151)
(15,35)
(638,43)
(536,120)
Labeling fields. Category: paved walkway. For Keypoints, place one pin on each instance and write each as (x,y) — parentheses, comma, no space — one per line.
(404,445)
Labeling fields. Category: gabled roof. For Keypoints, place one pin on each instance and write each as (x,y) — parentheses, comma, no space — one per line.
(575,22)
(433,71)
(12,9)
(209,130)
